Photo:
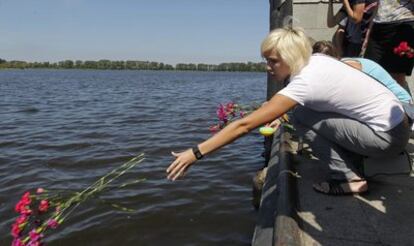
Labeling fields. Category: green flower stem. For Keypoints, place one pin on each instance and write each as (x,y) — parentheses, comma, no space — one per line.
(99,185)
(66,208)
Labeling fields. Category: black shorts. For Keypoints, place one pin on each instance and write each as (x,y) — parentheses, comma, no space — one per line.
(351,49)
(382,41)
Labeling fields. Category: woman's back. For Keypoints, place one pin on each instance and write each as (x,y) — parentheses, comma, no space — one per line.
(375,70)
(328,85)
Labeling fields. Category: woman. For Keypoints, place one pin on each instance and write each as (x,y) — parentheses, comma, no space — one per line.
(392,25)
(353,20)
(334,113)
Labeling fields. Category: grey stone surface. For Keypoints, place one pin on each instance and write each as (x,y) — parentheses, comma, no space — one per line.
(383,216)
(312,17)
(389,165)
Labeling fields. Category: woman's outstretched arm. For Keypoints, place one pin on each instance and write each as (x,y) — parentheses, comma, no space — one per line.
(276,107)
(355,12)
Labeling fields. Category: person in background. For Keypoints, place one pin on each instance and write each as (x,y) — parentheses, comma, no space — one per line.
(392,26)
(332,111)
(353,21)
(367,66)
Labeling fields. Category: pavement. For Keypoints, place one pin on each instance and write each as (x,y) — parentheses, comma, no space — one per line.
(383,216)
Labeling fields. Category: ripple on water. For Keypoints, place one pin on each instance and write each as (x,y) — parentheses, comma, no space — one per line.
(62,130)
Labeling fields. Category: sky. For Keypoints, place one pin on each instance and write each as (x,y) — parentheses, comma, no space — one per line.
(169,31)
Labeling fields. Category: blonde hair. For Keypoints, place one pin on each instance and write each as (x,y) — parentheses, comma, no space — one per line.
(291,44)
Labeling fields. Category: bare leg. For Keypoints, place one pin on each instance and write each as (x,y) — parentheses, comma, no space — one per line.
(338,41)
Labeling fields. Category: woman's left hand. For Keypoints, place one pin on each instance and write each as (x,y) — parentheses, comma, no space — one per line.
(182,162)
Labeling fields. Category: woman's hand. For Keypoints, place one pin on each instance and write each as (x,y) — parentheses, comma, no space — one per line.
(276,107)
(182,162)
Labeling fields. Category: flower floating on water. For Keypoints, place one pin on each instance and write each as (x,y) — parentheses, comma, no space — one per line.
(42,210)
(226,113)
(403,49)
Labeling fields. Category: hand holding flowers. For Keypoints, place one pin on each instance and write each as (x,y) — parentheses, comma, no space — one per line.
(230,112)
(226,113)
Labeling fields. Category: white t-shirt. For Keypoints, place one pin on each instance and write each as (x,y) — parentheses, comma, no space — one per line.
(328,85)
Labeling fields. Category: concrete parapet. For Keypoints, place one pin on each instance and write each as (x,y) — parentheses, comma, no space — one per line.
(277,223)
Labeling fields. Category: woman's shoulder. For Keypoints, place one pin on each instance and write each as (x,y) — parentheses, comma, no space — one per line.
(320,66)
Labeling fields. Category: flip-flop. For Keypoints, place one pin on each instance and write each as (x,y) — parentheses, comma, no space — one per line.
(335,188)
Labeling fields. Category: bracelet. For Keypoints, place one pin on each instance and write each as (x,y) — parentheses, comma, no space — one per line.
(197,153)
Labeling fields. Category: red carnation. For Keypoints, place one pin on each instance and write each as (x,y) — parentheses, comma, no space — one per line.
(21,219)
(17,242)
(403,49)
(43,206)
(16,229)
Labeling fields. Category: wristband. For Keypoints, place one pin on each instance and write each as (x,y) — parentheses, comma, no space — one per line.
(197,153)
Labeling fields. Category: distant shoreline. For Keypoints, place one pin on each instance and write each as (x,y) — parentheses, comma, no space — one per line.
(135,65)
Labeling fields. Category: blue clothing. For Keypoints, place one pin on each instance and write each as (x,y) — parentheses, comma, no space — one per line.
(377,72)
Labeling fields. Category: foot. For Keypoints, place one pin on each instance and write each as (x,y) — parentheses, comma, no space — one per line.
(336,187)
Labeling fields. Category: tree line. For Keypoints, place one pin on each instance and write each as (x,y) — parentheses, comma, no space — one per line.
(136,65)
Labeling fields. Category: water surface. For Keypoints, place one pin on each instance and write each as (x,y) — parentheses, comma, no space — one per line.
(63,129)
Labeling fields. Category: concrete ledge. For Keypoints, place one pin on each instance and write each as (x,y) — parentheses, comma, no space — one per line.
(277,218)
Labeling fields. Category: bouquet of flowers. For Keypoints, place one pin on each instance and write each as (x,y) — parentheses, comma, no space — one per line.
(403,49)
(42,210)
(226,113)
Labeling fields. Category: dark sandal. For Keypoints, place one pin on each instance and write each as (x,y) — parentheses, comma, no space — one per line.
(335,188)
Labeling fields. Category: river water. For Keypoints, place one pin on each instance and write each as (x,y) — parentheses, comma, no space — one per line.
(63,129)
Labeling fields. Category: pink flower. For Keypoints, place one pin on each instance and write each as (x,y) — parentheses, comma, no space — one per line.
(21,219)
(19,206)
(16,229)
(43,206)
(230,108)
(22,208)
(40,190)
(17,242)
(26,198)
(35,236)
(52,223)
(221,113)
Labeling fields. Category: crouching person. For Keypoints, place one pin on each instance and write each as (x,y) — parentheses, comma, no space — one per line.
(343,113)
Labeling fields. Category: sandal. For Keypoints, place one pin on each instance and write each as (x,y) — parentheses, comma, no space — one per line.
(335,188)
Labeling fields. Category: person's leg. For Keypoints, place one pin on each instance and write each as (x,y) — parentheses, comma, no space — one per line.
(353,49)
(338,40)
(340,142)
